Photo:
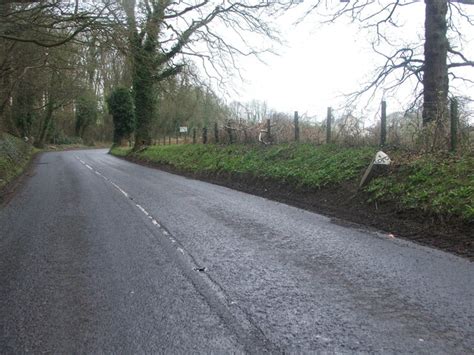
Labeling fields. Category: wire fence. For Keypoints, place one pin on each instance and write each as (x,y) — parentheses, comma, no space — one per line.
(348,130)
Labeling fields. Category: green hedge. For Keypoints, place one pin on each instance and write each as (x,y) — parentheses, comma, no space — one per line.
(14,156)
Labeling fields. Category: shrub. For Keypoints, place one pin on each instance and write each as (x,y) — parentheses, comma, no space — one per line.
(120,104)
(86,112)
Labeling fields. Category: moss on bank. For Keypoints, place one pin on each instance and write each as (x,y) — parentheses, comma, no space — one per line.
(14,157)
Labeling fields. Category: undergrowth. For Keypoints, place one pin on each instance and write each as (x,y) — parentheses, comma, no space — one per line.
(301,165)
(14,156)
(434,184)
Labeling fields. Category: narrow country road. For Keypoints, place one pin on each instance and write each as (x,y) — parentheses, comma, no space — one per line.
(100,255)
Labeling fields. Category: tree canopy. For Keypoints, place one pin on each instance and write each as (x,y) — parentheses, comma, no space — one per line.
(59,61)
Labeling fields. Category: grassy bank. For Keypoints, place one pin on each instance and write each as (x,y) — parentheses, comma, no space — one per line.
(441,186)
(14,157)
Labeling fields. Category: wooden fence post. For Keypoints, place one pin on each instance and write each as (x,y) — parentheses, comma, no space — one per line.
(383,124)
(204,135)
(328,125)
(169,140)
(454,124)
(229,132)
(269,136)
(216,133)
(194,135)
(177,136)
(297,127)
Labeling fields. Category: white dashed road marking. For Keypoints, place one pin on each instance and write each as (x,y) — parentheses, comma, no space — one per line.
(141,208)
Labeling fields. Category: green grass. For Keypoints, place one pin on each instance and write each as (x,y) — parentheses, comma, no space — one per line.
(436,185)
(301,165)
(14,156)
(120,151)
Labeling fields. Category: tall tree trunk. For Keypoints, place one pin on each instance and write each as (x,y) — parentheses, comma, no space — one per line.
(4,77)
(6,87)
(145,62)
(435,77)
(48,114)
(48,117)
(144,96)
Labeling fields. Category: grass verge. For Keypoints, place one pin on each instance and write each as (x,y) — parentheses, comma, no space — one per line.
(440,186)
(299,165)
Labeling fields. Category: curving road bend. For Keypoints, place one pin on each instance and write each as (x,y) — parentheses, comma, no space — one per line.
(101,255)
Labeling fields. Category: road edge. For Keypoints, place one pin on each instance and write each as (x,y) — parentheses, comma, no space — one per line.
(367,221)
(8,191)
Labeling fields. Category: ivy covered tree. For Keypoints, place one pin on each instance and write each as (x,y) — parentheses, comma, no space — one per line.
(120,105)
(86,112)
(161,35)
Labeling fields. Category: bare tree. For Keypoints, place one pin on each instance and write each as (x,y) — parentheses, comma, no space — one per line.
(48,23)
(162,34)
(430,63)
(32,30)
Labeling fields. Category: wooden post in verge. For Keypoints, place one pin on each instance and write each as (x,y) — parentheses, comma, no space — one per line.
(216,133)
(194,135)
(454,124)
(383,124)
(229,132)
(204,135)
(269,133)
(297,127)
(328,125)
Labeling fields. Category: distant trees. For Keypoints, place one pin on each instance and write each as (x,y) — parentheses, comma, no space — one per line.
(86,112)
(120,105)
(181,101)
(30,33)
(42,74)
(60,60)
(63,48)
(161,34)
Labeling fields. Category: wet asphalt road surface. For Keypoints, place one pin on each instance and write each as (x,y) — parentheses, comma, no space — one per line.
(100,255)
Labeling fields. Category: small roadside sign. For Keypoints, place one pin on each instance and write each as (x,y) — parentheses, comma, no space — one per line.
(183,129)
